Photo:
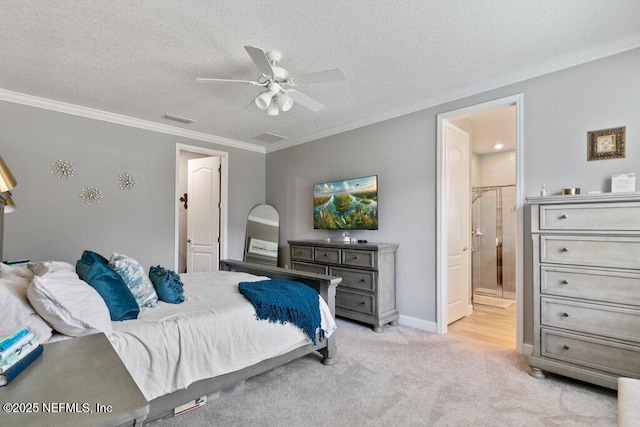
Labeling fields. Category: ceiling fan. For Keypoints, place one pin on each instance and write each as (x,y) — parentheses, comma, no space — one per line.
(279,94)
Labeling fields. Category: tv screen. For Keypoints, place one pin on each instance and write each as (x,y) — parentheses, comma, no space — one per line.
(348,204)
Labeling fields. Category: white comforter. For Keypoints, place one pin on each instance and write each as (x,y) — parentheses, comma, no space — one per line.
(213,332)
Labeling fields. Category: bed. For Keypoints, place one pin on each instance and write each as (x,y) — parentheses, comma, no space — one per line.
(241,366)
(179,353)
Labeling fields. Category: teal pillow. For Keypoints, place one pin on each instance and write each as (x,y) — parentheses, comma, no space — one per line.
(90,257)
(115,293)
(167,284)
(135,278)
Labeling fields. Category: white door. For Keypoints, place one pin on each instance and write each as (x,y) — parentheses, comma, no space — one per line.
(203,214)
(457,221)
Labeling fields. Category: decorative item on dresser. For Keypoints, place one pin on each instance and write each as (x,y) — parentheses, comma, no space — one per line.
(586,271)
(367,292)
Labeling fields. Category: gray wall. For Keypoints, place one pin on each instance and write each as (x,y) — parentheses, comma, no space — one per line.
(52,223)
(559,109)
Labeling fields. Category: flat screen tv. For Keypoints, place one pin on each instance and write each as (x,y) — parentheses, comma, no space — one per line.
(347,204)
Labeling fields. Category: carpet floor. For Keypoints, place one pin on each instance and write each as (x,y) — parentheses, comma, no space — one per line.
(406,377)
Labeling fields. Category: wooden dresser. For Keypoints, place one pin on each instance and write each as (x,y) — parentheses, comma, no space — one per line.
(586,271)
(367,292)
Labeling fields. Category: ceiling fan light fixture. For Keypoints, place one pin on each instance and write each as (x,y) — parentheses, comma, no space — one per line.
(273,109)
(284,101)
(263,101)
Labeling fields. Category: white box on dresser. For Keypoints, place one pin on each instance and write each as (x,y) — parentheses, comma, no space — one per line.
(586,271)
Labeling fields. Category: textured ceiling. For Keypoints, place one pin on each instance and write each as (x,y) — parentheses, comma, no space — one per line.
(141,59)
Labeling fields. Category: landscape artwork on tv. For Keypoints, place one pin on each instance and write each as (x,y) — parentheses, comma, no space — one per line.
(349,204)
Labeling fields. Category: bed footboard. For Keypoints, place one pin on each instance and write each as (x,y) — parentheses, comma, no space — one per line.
(325,285)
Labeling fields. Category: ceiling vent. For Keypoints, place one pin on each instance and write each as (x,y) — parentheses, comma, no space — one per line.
(269,138)
(177,118)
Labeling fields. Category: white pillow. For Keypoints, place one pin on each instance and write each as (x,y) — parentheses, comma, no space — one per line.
(69,304)
(16,312)
(45,267)
(16,270)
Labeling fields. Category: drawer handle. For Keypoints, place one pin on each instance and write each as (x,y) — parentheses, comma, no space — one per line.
(362,303)
(565,249)
(564,282)
(325,255)
(565,314)
(355,257)
(363,280)
(565,347)
(564,216)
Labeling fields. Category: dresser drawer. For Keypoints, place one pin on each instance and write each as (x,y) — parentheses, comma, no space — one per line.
(596,216)
(610,251)
(310,268)
(604,320)
(355,279)
(304,253)
(358,258)
(610,356)
(355,301)
(600,285)
(328,255)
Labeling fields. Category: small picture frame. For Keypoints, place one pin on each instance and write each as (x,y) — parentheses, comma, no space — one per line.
(606,144)
(623,183)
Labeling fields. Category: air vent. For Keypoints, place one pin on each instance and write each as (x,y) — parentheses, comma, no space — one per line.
(269,138)
(177,118)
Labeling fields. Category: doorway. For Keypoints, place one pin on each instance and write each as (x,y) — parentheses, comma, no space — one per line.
(215,202)
(496,197)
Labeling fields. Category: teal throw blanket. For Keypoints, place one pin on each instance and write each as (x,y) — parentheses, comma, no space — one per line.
(284,301)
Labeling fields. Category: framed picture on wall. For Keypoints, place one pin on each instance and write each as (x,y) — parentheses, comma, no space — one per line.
(606,144)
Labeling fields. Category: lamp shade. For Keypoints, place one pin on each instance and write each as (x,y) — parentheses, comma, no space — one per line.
(7,181)
(263,100)
(273,109)
(284,101)
(9,206)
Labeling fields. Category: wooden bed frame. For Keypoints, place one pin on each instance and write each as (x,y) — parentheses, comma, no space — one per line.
(163,406)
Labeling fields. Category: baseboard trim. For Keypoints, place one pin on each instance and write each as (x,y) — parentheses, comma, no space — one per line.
(418,324)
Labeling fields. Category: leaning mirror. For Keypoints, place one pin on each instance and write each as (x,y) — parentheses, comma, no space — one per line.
(261,241)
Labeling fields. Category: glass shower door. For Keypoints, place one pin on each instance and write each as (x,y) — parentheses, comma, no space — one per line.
(484,242)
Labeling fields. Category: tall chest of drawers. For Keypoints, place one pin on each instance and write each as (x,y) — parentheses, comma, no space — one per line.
(367,292)
(586,272)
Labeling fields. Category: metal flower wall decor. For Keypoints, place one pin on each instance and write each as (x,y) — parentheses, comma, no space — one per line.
(62,169)
(91,195)
(127,182)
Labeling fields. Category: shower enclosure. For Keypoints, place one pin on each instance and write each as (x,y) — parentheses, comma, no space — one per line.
(493,230)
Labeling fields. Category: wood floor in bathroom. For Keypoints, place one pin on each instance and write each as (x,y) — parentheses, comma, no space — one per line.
(492,325)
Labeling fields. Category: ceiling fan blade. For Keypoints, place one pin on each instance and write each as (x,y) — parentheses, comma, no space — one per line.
(304,100)
(319,77)
(260,59)
(249,82)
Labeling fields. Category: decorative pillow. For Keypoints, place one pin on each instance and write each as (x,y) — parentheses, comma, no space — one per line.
(45,267)
(90,257)
(70,305)
(135,278)
(167,284)
(15,310)
(115,293)
(16,270)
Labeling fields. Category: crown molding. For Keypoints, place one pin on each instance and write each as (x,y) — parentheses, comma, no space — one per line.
(555,64)
(78,110)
